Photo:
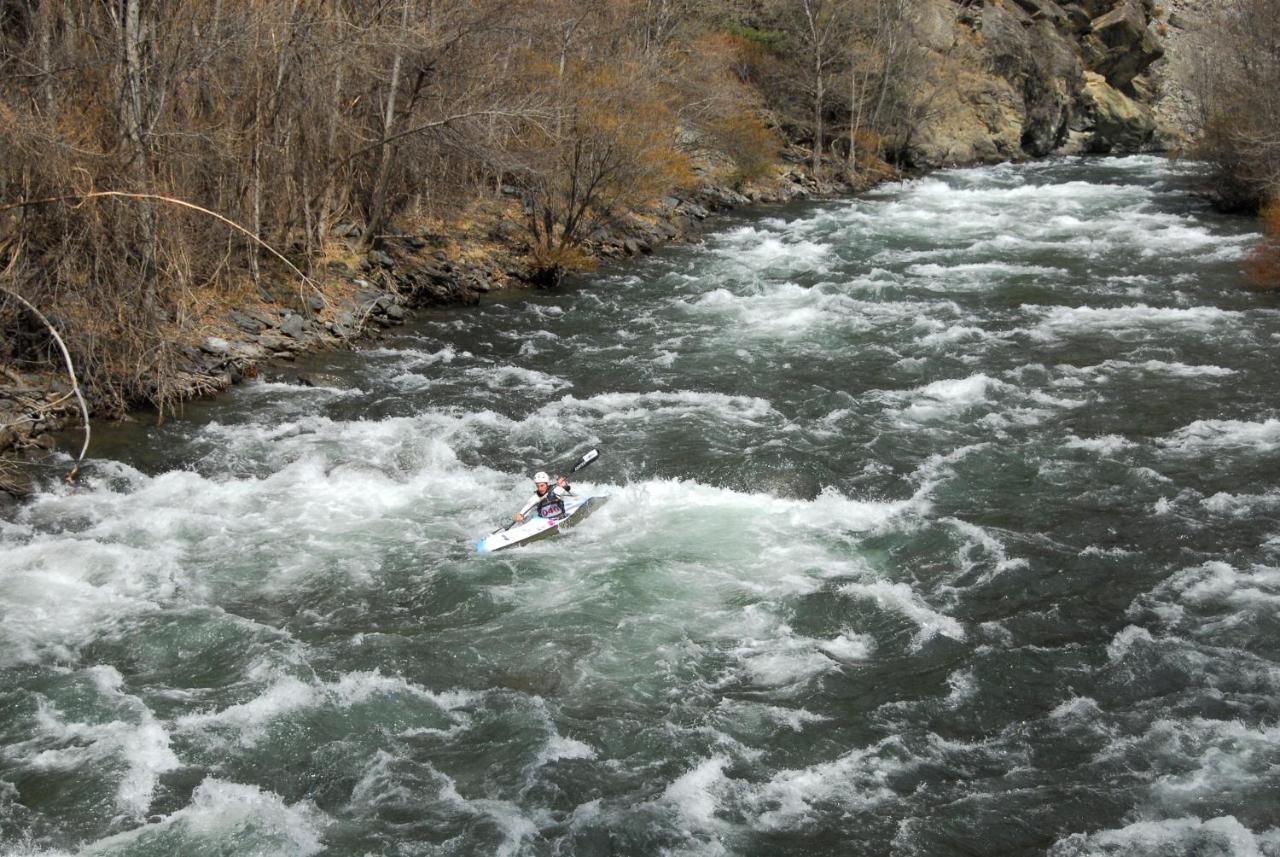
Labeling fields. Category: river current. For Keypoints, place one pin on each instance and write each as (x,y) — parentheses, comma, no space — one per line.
(944,521)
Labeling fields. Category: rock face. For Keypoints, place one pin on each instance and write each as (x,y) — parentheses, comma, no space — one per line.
(1118,123)
(1026,78)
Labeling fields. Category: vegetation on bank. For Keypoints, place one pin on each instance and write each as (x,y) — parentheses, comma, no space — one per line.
(162,160)
(1237,86)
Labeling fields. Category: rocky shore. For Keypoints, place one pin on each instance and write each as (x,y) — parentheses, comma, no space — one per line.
(376,290)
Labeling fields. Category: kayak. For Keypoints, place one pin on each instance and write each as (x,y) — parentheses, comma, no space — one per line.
(534,528)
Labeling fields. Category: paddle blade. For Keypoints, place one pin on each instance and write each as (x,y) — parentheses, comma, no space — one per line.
(585,460)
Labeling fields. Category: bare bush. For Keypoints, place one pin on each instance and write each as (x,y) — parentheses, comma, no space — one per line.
(1237,85)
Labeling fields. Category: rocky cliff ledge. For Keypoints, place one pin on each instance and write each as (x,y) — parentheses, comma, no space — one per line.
(1027,78)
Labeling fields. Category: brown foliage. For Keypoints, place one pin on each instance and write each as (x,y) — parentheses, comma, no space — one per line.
(1263,265)
(282,116)
(287,117)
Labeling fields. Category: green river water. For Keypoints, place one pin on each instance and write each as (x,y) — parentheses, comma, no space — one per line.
(944,521)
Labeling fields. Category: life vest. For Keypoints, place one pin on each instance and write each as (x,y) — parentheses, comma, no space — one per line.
(551,505)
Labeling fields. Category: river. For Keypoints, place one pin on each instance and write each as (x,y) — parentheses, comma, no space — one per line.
(944,521)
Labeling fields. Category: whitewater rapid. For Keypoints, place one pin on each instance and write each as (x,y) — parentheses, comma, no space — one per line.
(944,521)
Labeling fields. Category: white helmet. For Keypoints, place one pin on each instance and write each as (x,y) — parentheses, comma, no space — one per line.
(541,476)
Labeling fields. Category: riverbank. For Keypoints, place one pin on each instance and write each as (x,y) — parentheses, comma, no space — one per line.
(358,294)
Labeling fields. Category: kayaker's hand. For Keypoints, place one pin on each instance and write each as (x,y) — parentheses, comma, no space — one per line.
(562,482)
(519,518)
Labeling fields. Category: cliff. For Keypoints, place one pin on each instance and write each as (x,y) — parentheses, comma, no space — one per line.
(1026,78)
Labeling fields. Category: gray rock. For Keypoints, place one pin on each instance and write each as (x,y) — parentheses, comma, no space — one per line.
(395,312)
(670,202)
(347,230)
(248,352)
(377,257)
(215,345)
(316,302)
(293,327)
(245,322)
(275,342)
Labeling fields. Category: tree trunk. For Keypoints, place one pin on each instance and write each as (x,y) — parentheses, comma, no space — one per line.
(137,136)
(42,20)
(818,96)
(377,203)
(325,209)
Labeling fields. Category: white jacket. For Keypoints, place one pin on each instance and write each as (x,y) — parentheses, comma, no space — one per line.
(539,498)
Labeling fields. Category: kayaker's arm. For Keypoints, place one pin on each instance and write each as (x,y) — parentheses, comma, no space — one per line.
(527,508)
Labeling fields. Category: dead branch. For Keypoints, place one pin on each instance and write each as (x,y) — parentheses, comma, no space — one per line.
(71,373)
(120,194)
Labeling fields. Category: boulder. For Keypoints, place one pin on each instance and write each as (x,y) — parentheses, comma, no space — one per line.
(1121,45)
(275,342)
(381,259)
(1044,10)
(293,327)
(1117,123)
(216,346)
(245,322)
(935,27)
(316,302)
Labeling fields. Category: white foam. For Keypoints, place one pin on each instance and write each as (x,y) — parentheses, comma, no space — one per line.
(1107,444)
(1241,505)
(286,694)
(849,646)
(793,799)
(517,378)
(901,598)
(1219,585)
(1174,837)
(1209,435)
(139,741)
(1061,321)
(947,398)
(223,813)
(694,794)
(754,249)
(780,310)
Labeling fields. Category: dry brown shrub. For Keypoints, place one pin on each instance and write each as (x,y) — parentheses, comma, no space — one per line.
(1263,265)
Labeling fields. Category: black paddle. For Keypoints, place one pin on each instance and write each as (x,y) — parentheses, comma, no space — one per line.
(587,457)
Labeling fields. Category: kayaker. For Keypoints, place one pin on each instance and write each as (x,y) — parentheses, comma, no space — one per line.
(546,500)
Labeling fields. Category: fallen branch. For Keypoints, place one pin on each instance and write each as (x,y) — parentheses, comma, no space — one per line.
(120,194)
(71,373)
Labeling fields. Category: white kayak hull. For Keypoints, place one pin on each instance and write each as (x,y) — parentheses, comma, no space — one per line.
(575,508)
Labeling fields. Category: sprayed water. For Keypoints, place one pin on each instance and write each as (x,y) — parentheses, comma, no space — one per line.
(945,521)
